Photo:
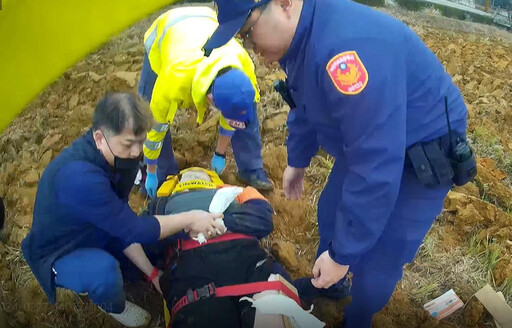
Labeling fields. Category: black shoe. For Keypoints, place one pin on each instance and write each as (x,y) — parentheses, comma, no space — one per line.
(257,179)
(308,292)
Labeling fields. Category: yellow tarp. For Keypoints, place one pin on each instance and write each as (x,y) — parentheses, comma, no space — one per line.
(40,39)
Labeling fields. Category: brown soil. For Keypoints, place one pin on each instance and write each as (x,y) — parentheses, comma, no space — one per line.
(401,312)
(481,65)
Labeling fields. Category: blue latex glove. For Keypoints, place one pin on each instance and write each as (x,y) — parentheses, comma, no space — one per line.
(151,184)
(218,163)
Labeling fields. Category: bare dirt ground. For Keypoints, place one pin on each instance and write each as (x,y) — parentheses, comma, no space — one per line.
(469,245)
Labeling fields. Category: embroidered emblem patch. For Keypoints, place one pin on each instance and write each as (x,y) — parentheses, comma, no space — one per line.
(348,73)
(236,124)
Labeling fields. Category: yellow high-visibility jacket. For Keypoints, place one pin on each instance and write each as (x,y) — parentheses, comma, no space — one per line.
(174,46)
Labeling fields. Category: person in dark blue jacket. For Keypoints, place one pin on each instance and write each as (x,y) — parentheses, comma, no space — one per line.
(82,223)
(364,87)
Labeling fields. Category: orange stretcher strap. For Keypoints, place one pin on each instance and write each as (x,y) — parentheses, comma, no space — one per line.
(248,194)
(234,290)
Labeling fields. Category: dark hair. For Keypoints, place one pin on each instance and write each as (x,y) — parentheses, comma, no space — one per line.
(122,110)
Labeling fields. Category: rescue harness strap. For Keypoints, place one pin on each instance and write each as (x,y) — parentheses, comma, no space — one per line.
(234,290)
(210,290)
(185,245)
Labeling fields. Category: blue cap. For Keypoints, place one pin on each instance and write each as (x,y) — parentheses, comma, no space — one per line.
(232,15)
(233,94)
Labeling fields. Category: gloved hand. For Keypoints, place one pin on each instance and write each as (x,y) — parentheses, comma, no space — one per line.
(218,163)
(151,184)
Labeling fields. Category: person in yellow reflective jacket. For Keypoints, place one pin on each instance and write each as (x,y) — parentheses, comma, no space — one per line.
(176,75)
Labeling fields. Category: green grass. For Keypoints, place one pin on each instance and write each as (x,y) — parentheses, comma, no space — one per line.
(428,247)
(431,10)
(416,5)
(487,252)
(426,291)
(474,247)
(492,256)
(506,289)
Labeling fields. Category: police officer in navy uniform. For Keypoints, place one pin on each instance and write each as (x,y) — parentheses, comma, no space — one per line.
(365,88)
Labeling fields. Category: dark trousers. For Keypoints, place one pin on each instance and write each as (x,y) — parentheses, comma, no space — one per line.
(101,272)
(93,271)
(379,270)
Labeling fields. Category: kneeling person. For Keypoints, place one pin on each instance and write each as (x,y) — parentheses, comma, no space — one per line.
(83,226)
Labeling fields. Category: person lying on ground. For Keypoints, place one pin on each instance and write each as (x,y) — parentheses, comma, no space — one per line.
(204,283)
(83,227)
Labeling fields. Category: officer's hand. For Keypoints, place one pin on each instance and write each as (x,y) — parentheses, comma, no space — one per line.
(218,163)
(151,184)
(326,272)
(203,222)
(292,182)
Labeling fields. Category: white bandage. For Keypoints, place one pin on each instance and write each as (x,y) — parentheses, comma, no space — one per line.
(202,239)
(220,202)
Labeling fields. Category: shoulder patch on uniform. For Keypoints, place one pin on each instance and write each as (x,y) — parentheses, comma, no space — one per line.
(348,73)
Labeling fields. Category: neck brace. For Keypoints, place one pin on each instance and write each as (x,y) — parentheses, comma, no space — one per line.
(172,185)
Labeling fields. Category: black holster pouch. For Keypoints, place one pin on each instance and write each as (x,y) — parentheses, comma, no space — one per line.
(430,164)
(464,163)
(282,87)
(436,163)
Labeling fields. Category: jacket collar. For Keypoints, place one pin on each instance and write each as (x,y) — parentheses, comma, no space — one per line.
(300,38)
(92,153)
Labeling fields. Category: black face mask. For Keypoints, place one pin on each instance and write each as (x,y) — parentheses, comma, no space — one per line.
(124,164)
(121,164)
